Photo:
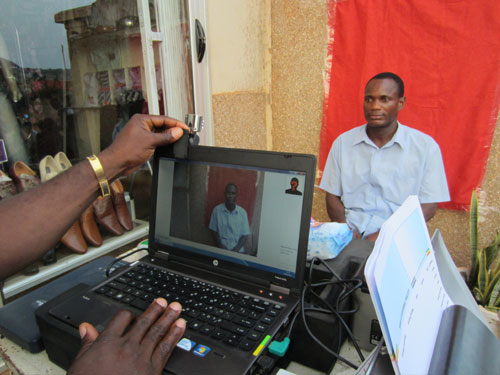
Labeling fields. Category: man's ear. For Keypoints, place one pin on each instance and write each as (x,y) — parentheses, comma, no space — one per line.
(401,103)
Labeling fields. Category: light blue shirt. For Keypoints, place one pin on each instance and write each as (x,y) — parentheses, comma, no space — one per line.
(373,182)
(230,225)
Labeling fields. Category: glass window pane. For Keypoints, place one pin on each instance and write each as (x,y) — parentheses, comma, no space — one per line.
(72,74)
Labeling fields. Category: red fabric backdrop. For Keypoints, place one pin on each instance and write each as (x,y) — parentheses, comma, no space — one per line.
(448,54)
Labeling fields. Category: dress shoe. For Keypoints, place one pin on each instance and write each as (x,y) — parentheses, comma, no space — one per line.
(122,213)
(73,238)
(7,187)
(89,227)
(106,216)
(24,177)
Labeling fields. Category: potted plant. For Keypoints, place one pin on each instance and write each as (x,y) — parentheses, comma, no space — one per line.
(484,273)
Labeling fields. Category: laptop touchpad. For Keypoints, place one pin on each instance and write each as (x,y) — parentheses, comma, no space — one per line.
(85,308)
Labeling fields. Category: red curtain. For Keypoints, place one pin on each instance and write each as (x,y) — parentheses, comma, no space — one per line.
(448,54)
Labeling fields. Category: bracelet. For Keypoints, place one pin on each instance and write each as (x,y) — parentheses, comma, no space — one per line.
(99,173)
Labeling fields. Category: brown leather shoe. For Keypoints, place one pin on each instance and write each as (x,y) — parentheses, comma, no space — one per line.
(120,205)
(7,187)
(24,177)
(89,227)
(106,216)
(73,239)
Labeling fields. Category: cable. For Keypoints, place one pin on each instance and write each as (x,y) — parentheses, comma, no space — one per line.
(346,290)
(318,341)
(348,330)
(108,268)
(341,296)
(297,313)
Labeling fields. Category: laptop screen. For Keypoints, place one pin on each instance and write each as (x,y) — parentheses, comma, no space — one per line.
(242,214)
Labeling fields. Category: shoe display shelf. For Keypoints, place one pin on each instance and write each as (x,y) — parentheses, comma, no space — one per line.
(19,282)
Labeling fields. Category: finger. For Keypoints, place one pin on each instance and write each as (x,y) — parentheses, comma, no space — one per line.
(159,121)
(169,136)
(161,327)
(146,320)
(88,335)
(118,324)
(166,346)
(88,332)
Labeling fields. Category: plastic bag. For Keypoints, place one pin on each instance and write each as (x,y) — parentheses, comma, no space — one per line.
(326,240)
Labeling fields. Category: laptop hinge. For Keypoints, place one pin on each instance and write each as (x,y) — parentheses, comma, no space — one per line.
(279,289)
(161,255)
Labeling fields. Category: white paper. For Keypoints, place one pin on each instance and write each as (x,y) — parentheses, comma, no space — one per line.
(406,289)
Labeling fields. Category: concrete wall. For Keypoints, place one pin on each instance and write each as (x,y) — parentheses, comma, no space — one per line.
(268,60)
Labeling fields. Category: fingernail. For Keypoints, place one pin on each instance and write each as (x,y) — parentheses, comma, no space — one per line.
(177,133)
(175,306)
(162,302)
(83,331)
(180,323)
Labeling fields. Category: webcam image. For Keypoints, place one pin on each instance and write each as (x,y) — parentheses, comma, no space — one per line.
(246,215)
(223,209)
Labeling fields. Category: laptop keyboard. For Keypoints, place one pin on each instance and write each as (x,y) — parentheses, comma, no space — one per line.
(234,318)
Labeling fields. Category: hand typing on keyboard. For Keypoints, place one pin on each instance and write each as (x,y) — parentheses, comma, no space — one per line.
(142,349)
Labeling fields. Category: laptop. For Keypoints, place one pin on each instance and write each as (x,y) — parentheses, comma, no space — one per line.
(237,271)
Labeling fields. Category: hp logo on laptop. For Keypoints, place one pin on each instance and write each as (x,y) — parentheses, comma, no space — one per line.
(215,262)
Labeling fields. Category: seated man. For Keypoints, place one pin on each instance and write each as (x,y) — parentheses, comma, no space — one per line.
(373,168)
(229,222)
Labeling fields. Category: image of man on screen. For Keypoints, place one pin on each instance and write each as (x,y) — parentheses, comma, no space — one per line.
(229,222)
(294,183)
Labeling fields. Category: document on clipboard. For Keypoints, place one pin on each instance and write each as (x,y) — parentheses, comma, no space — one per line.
(429,318)
(406,289)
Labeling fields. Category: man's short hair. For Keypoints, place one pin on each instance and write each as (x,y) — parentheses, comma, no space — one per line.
(231,184)
(394,77)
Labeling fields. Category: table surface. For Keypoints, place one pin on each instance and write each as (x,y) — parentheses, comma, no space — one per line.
(21,361)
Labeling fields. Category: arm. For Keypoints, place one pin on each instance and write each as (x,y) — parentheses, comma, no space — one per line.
(372,237)
(335,208)
(429,209)
(241,242)
(34,221)
(217,239)
(143,349)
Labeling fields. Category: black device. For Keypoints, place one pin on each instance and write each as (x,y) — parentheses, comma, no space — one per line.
(246,295)
(327,328)
(17,318)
